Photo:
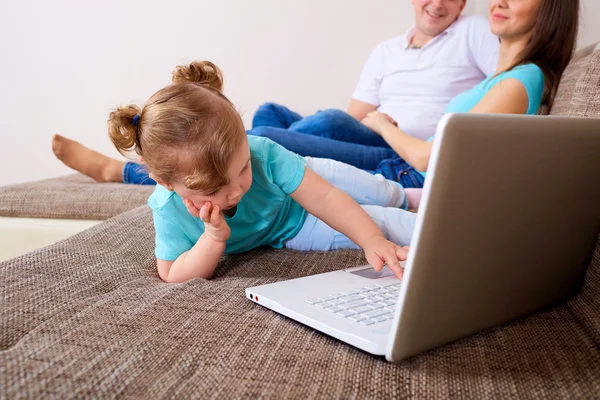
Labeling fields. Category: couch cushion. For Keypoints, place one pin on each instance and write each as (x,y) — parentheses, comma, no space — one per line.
(74,196)
(88,317)
(578,94)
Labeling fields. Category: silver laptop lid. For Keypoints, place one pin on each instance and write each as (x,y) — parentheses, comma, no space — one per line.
(507,224)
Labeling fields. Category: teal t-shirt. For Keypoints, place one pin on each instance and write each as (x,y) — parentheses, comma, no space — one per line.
(530,75)
(265,216)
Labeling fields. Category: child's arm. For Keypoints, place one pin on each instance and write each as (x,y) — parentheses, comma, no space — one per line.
(202,259)
(343,214)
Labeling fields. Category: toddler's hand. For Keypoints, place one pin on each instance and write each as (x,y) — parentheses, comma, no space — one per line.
(380,251)
(214,222)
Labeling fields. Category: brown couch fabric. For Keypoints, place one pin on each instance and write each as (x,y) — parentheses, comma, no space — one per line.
(578,94)
(88,317)
(75,196)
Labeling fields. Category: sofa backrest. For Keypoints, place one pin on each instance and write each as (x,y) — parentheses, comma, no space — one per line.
(578,94)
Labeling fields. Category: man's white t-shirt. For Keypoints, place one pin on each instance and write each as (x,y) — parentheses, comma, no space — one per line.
(414,86)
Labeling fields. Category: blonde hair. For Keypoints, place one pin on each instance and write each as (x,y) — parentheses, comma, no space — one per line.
(187,132)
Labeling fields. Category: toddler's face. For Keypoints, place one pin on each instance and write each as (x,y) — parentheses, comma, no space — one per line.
(228,196)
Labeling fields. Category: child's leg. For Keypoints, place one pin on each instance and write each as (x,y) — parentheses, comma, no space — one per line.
(362,186)
(414,197)
(397,226)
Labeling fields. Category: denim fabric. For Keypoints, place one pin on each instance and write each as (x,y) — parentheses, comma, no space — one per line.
(333,134)
(136,174)
(358,155)
(331,124)
(398,170)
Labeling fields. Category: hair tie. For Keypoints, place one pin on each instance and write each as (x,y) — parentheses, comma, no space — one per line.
(136,120)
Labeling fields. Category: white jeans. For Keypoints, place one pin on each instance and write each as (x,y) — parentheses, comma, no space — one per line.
(382,199)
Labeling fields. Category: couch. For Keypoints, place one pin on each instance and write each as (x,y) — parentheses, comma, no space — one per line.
(89,317)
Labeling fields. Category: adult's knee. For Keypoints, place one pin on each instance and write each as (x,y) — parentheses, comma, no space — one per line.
(271,114)
(268,107)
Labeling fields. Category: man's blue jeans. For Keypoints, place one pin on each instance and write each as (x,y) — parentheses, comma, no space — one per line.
(333,134)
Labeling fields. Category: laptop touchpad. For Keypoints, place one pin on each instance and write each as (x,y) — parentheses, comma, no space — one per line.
(370,273)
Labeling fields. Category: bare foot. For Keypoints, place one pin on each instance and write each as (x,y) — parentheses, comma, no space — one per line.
(414,198)
(87,161)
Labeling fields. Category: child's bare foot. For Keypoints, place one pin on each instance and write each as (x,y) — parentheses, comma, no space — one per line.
(87,161)
(414,198)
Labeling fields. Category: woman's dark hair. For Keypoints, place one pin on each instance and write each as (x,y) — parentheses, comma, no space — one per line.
(552,43)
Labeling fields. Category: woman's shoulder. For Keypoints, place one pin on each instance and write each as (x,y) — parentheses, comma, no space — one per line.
(532,78)
(530,75)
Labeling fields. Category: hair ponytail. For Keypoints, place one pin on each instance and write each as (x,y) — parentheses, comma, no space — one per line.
(202,72)
(124,125)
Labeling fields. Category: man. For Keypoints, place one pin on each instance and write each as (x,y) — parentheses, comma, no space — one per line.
(410,78)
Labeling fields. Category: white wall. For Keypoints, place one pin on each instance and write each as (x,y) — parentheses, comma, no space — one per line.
(589,29)
(65,63)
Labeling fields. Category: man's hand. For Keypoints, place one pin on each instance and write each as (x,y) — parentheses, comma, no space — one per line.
(377,121)
(380,251)
(214,222)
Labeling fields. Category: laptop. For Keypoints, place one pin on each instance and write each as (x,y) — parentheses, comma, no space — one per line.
(508,220)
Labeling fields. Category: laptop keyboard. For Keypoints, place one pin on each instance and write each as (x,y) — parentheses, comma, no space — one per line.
(367,305)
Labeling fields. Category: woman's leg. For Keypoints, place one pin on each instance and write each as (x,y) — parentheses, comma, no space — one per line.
(396,224)
(396,169)
(136,174)
(361,156)
(274,115)
(96,165)
(363,187)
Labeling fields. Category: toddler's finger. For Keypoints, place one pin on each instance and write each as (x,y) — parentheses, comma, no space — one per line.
(215,215)
(376,262)
(402,253)
(393,263)
(191,208)
(205,212)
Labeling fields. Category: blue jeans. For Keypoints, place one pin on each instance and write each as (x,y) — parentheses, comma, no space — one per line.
(333,134)
(136,174)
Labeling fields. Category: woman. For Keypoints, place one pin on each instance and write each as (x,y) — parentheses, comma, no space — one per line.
(537,38)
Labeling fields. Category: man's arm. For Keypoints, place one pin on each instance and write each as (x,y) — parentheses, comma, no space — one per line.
(484,46)
(359,109)
(365,97)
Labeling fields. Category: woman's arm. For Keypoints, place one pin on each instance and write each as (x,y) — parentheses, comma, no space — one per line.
(509,96)
(343,214)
